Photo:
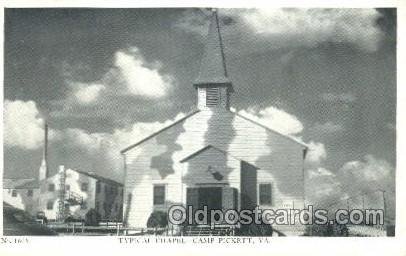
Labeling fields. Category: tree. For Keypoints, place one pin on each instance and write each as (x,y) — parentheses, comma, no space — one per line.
(157,219)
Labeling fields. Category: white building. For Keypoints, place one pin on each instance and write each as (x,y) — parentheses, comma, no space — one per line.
(213,156)
(73,193)
(67,193)
(21,193)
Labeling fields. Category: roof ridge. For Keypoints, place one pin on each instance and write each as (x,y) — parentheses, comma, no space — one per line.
(268,128)
(27,183)
(160,130)
(94,175)
(231,111)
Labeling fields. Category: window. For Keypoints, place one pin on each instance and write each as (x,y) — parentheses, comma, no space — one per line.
(67,187)
(14,193)
(212,96)
(29,193)
(265,193)
(159,194)
(97,187)
(84,186)
(83,206)
(51,187)
(50,205)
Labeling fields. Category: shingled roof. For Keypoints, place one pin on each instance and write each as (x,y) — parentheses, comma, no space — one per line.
(98,177)
(20,183)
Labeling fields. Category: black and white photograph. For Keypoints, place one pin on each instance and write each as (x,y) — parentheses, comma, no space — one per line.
(180,123)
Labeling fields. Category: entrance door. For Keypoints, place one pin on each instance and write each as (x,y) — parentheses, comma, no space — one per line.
(201,196)
(204,196)
(210,197)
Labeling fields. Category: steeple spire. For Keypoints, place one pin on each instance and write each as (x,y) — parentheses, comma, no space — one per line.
(212,84)
(213,66)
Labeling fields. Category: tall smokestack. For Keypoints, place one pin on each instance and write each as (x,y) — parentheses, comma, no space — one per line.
(46,146)
(43,170)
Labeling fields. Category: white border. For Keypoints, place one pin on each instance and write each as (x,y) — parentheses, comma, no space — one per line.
(278,246)
(200,3)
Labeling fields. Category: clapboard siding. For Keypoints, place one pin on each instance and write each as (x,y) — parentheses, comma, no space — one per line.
(157,160)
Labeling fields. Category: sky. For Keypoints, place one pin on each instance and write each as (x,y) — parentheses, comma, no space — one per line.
(106,78)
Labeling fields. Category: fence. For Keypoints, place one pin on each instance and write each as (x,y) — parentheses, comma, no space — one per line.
(108,227)
(116,228)
(80,227)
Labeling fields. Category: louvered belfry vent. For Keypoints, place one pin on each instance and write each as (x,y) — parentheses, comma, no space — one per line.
(212,96)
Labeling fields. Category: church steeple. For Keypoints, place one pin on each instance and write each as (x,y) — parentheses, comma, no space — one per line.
(212,83)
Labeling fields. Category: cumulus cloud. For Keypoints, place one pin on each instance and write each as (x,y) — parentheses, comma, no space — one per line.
(140,79)
(360,181)
(103,149)
(77,148)
(319,172)
(288,124)
(125,88)
(87,93)
(321,186)
(317,152)
(140,130)
(289,27)
(312,26)
(274,118)
(80,138)
(23,125)
(370,173)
